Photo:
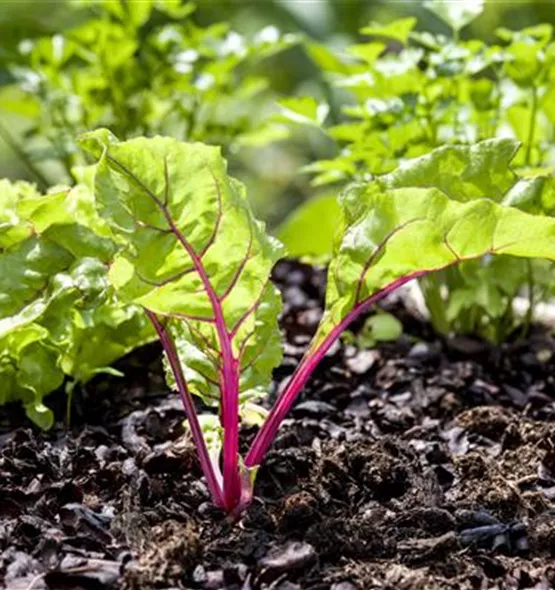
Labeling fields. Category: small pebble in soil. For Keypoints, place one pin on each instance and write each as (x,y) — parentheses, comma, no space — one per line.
(362,361)
(313,409)
(292,557)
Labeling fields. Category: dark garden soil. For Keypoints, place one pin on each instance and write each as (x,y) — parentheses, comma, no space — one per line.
(421,464)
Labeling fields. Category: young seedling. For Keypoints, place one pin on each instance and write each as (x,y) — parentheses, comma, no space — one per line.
(192,254)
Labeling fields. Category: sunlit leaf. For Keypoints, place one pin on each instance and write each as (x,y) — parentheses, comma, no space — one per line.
(456,13)
(193,253)
(393,235)
(398,30)
(298,233)
(462,172)
(55,318)
(305,110)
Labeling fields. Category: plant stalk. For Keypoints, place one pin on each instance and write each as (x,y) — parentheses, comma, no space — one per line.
(532,127)
(206,464)
(529,318)
(431,288)
(229,374)
(20,153)
(229,380)
(269,429)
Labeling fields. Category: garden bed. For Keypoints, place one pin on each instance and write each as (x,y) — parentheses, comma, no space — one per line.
(420,464)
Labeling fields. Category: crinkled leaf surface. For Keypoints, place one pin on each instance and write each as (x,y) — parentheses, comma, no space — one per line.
(534,195)
(29,370)
(54,296)
(192,251)
(462,172)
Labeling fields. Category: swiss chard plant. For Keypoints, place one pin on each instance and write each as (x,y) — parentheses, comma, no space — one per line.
(198,262)
(407,92)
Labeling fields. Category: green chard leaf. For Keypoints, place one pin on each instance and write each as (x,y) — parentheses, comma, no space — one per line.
(193,255)
(533,195)
(463,173)
(396,230)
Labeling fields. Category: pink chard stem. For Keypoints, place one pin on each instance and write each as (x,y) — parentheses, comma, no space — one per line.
(230,496)
(229,380)
(198,438)
(285,401)
(229,374)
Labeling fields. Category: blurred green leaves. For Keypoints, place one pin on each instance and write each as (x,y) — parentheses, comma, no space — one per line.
(398,30)
(408,92)
(456,14)
(392,234)
(310,229)
(139,68)
(304,110)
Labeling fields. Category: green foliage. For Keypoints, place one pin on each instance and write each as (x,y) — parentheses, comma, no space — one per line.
(456,14)
(432,92)
(57,314)
(304,110)
(428,127)
(464,173)
(436,90)
(477,296)
(139,68)
(380,327)
(309,230)
(187,241)
(398,30)
(394,233)
(183,221)
(191,253)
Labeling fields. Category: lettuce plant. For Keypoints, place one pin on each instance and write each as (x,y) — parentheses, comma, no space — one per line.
(58,315)
(198,262)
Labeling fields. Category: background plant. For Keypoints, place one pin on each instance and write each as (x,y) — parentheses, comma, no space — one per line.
(140,68)
(158,67)
(408,92)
